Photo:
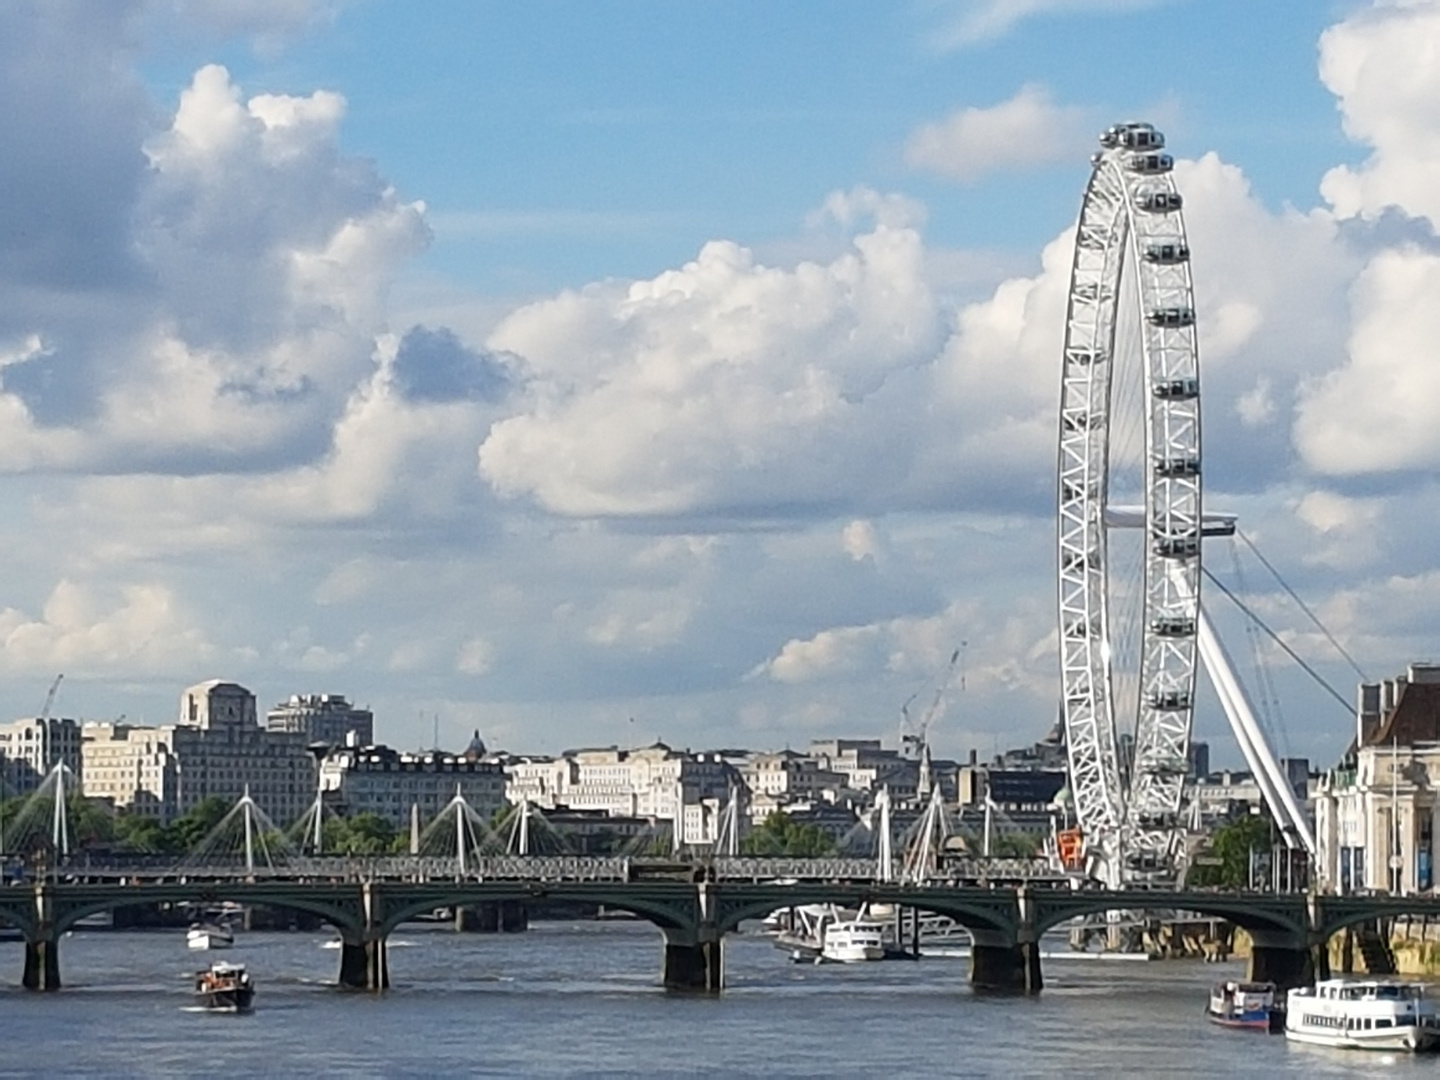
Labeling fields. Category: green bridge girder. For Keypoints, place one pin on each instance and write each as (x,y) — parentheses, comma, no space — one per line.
(693,915)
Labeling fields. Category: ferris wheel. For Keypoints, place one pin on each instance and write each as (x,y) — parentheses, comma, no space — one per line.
(1130,520)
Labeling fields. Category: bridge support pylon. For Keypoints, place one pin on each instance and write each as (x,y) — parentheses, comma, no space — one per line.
(693,966)
(364,961)
(364,964)
(1006,969)
(1287,964)
(42,944)
(695,955)
(42,963)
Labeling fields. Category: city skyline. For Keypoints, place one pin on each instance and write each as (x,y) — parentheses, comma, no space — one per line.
(593,373)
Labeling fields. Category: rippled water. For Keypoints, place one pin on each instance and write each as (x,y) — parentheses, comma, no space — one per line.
(582,999)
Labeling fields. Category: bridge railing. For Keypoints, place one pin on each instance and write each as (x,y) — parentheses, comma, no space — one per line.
(782,870)
(557,868)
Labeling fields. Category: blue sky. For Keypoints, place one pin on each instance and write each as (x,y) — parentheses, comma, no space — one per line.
(592,372)
(556,143)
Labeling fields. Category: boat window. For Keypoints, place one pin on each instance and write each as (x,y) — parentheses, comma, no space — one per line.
(1384,1021)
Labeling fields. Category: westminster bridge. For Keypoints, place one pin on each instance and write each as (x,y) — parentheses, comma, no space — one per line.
(1006,905)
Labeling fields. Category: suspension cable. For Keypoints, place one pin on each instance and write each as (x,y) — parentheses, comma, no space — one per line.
(1276,638)
(1303,607)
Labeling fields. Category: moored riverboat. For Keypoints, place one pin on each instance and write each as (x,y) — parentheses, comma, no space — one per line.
(1363,1014)
(225,987)
(851,941)
(1245,1005)
(209,936)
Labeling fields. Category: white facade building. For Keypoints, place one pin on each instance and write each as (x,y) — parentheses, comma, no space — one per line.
(651,782)
(379,780)
(30,748)
(327,718)
(217,750)
(133,767)
(1377,814)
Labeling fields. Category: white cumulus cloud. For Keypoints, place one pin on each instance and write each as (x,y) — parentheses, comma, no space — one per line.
(1380,65)
(1027,131)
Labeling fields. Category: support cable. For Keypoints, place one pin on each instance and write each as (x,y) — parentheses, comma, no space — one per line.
(1305,608)
(1271,715)
(1277,639)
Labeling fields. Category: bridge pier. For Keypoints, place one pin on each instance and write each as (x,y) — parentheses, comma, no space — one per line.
(492,916)
(1286,962)
(693,966)
(364,965)
(364,961)
(42,964)
(695,955)
(1006,969)
(42,944)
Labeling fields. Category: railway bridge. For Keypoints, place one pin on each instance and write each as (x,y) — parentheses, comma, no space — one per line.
(694,905)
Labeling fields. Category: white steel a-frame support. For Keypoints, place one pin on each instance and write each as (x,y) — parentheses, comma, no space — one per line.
(1274,785)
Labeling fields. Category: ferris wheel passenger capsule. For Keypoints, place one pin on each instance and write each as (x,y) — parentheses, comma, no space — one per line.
(1150,164)
(1167,254)
(1169,700)
(1173,626)
(1158,201)
(1141,137)
(1177,547)
(1172,317)
(1177,466)
(1177,389)
(1132,136)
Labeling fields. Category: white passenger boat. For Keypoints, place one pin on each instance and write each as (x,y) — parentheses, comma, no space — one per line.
(1363,1014)
(209,936)
(850,941)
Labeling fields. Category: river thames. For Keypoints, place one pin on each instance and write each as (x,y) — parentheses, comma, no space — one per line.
(582,999)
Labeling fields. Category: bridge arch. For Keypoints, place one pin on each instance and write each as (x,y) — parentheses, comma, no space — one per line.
(1253,916)
(996,917)
(666,915)
(345,917)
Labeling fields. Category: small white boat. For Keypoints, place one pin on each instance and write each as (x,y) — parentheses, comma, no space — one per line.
(1363,1014)
(209,936)
(224,987)
(850,941)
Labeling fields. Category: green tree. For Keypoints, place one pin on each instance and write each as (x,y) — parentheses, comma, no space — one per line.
(187,831)
(90,823)
(1014,845)
(1227,864)
(363,834)
(141,833)
(780,836)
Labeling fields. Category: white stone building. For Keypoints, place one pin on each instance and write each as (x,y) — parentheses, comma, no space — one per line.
(651,782)
(30,748)
(868,766)
(217,749)
(378,780)
(1377,813)
(133,767)
(327,718)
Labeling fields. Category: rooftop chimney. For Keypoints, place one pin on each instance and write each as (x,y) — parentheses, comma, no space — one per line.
(1367,712)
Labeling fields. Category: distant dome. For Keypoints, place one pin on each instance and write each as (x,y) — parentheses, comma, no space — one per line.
(476,749)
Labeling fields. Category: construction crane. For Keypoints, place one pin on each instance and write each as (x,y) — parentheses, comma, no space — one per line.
(50,697)
(915,734)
